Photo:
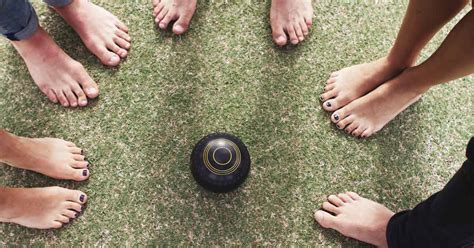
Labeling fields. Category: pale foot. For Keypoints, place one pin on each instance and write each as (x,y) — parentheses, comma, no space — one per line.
(55,158)
(355,217)
(368,114)
(57,75)
(292,18)
(41,208)
(350,83)
(102,32)
(180,11)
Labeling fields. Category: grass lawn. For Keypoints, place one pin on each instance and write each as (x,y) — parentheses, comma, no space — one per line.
(225,74)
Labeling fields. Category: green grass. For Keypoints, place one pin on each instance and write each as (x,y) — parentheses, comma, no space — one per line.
(226,75)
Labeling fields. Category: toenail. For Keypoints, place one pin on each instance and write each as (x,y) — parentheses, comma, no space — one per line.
(179,29)
(336,117)
(77,214)
(319,215)
(328,104)
(84,172)
(91,91)
(114,59)
(321,97)
(337,125)
(81,198)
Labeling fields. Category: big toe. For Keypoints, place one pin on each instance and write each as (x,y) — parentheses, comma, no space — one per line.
(182,24)
(279,36)
(325,219)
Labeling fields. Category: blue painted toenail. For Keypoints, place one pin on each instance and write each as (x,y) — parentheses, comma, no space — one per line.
(84,172)
(328,104)
(336,117)
(81,198)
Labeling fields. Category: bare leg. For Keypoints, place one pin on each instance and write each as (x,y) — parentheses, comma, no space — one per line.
(41,208)
(422,20)
(453,59)
(55,158)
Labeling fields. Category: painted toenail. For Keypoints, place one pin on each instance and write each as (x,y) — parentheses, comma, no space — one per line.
(81,198)
(84,172)
(337,125)
(321,98)
(336,117)
(328,104)
(77,214)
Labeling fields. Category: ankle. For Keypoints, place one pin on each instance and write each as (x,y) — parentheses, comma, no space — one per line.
(10,146)
(397,63)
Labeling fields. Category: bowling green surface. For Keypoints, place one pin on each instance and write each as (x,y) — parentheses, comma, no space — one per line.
(225,75)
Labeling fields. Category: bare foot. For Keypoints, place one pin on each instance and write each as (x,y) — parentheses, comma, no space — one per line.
(55,158)
(41,208)
(290,17)
(368,114)
(180,11)
(57,75)
(350,83)
(356,217)
(102,33)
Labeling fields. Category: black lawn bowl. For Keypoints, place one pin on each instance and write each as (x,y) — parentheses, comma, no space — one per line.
(220,162)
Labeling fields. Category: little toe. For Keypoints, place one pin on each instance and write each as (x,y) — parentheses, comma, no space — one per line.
(354,196)
(330,208)
(325,219)
(304,28)
(56,224)
(344,197)
(336,201)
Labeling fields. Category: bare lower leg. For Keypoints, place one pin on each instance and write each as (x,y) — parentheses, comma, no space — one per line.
(453,59)
(422,20)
